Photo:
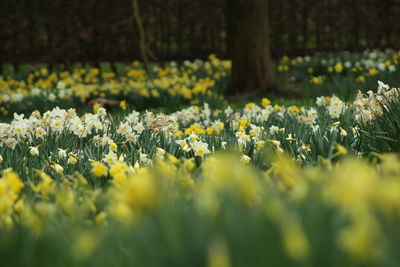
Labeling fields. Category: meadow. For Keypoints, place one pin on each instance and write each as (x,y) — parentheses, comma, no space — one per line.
(176,174)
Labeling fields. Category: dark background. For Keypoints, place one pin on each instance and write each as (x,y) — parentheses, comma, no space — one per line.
(94,31)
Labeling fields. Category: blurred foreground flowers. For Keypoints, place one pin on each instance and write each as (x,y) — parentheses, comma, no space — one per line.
(226,213)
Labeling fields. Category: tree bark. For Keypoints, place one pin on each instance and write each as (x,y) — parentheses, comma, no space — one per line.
(248,47)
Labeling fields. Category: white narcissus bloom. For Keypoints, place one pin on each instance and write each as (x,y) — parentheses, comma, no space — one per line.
(200,149)
(131,137)
(10,142)
(105,140)
(375,106)
(40,132)
(243,139)
(144,159)
(101,111)
(124,128)
(19,128)
(336,107)
(139,128)
(381,66)
(183,145)
(62,94)
(57,168)
(255,130)
(315,128)
(110,158)
(81,131)
(18,117)
(35,91)
(273,129)
(61,85)
(228,111)
(193,137)
(219,125)
(320,101)
(342,131)
(34,151)
(334,112)
(136,166)
(259,144)
(57,125)
(266,112)
(277,145)
(62,153)
(133,117)
(382,87)
(1,159)
(279,149)
(336,103)
(122,157)
(275,142)
(245,159)
(6,98)
(74,124)
(305,149)
(98,125)
(160,153)
(72,159)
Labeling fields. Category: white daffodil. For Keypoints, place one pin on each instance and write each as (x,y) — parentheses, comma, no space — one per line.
(34,151)
(110,158)
(57,168)
(245,159)
(62,153)
(200,149)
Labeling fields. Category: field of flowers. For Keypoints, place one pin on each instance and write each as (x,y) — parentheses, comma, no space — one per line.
(176,85)
(341,73)
(204,185)
(169,86)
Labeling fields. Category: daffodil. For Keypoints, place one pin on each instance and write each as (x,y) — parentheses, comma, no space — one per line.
(57,168)
(200,149)
(99,169)
(34,151)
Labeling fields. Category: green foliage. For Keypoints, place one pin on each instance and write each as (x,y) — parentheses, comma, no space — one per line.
(383,133)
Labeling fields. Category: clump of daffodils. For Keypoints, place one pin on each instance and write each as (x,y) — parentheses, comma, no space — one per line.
(367,107)
(334,105)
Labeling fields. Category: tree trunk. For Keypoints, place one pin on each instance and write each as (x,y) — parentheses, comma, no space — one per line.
(248,47)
